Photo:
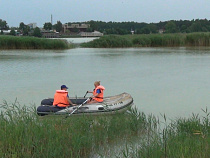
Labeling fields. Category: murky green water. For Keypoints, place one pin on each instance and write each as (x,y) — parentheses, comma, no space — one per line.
(175,81)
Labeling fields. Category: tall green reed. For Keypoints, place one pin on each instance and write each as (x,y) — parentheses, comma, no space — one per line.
(13,42)
(151,40)
(197,39)
(110,41)
(182,137)
(24,134)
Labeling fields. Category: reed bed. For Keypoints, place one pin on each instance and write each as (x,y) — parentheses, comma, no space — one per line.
(156,40)
(111,41)
(151,40)
(182,137)
(24,134)
(198,39)
(13,42)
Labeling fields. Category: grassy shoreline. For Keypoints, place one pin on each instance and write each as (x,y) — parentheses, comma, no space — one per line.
(24,134)
(110,41)
(13,42)
(150,40)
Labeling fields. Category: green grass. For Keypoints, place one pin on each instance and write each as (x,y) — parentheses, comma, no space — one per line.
(151,40)
(24,134)
(13,42)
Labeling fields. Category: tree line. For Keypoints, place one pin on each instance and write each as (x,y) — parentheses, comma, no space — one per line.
(172,26)
(120,28)
(27,31)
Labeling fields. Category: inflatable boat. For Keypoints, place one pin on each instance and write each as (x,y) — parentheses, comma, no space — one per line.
(110,105)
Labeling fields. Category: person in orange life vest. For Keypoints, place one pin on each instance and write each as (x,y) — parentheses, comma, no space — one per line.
(98,92)
(61,98)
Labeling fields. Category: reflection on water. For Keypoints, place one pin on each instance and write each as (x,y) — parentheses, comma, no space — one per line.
(174,81)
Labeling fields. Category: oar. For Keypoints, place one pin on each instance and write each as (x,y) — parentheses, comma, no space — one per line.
(86,94)
(78,107)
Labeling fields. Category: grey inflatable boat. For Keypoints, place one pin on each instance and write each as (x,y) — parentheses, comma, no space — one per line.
(110,105)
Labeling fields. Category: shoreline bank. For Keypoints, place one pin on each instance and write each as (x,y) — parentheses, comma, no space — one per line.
(109,41)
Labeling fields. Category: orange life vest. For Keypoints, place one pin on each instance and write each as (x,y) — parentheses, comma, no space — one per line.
(100,96)
(60,98)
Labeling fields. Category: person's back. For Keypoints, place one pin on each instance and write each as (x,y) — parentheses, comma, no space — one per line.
(60,98)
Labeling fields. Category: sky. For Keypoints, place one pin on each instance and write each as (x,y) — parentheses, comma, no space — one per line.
(39,11)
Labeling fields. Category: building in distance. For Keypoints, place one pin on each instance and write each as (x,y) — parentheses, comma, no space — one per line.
(91,34)
(32,25)
(73,27)
(50,34)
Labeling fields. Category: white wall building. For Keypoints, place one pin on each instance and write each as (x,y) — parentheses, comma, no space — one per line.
(91,34)
(32,25)
(6,32)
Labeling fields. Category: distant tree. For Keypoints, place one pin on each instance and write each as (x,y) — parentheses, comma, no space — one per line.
(12,32)
(89,29)
(171,27)
(196,27)
(22,26)
(205,25)
(25,29)
(111,31)
(75,29)
(58,26)
(37,32)
(138,31)
(204,29)
(93,25)
(183,28)
(188,30)
(121,31)
(145,30)
(161,25)
(3,25)
(48,26)
(153,28)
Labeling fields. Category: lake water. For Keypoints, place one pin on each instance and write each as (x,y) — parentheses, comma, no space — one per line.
(174,81)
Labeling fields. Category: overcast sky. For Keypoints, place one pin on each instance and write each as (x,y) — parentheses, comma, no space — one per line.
(39,11)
